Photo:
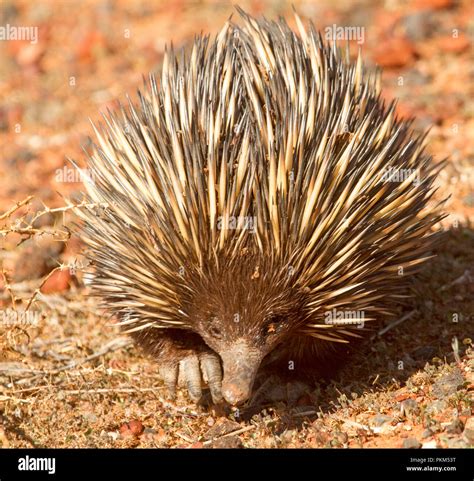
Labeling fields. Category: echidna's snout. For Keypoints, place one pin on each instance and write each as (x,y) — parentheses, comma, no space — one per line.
(240,365)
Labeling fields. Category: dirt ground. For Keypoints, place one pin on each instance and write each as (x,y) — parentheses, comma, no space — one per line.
(69,379)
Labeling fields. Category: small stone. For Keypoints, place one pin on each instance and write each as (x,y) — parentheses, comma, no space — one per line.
(37,258)
(50,112)
(434,4)
(288,436)
(436,407)
(9,12)
(125,430)
(381,419)
(456,443)
(402,396)
(419,26)
(341,437)
(91,46)
(210,421)
(160,437)
(427,433)
(429,445)
(59,281)
(40,12)
(321,439)
(230,442)
(197,445)
(448,384)
(395,52)
(411,443)
(297,390)
(409,407)
(90,417)
(469,202)
(415,77)
(452,44)
(136,427)
(114,435)
(30,55)
(468,432)
(456,427)
(42,221)
(132,428)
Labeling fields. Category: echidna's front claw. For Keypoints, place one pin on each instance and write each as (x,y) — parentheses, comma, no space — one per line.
(212,374)
(191,371)
(169,374)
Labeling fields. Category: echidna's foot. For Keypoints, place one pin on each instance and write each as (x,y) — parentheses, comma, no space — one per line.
(191,371)
(183,359)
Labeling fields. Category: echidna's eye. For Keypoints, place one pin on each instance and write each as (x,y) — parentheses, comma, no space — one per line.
(272,325)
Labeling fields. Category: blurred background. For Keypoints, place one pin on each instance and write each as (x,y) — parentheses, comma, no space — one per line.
(89,54)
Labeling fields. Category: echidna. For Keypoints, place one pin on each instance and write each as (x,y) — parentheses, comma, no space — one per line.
(255,195)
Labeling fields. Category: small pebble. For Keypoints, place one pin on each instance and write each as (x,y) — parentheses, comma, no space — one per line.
(59,281)
(468,432)
(381,419)
(411,443)
(409,407)
(448,384)
(427,433)
(230,442)
(456,427)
